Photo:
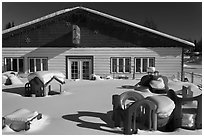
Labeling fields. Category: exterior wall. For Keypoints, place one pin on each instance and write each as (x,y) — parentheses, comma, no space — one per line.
(54,41)
(167,60)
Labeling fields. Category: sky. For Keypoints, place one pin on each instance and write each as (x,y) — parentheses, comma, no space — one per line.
(179,19)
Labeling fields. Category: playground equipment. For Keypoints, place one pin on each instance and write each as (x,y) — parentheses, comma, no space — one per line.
(163,112)
(187,116)
(119,105)
(41,82)
(20,119)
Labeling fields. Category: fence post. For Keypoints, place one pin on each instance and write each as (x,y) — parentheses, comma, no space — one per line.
(192,76)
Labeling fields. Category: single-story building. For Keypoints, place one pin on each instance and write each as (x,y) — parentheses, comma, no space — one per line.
(80,41)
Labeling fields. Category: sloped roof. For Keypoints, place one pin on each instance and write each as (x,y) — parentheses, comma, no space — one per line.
(101,14)
(47,76)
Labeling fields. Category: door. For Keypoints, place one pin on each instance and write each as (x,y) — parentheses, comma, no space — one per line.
(79,68)
(75,70)
(86,69)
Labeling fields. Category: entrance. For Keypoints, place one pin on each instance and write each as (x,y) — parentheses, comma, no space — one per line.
(79,68)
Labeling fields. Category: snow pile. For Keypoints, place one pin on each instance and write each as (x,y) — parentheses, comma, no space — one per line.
(20,115)
(36,125)
(109,77)
(10,78)
(4,79)
(39,124)
(46,76)
(157,84)
(95,77)
(165,105)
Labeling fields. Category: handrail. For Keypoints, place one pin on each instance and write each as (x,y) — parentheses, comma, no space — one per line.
(193,73)
(191,76)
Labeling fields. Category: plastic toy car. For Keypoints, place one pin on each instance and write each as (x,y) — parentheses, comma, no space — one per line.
(20,119)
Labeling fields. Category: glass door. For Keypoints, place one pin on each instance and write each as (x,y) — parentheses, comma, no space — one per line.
(75,71)
(86,69)
(80,68)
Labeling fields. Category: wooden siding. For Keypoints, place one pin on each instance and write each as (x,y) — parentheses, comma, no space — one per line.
(167,60)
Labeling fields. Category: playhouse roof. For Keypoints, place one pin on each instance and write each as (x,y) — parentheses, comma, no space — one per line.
(47,76)
(103,15)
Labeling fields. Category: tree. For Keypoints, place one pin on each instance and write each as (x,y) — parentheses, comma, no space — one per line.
(12,24)
(150,24)
(198,46)
(9,25)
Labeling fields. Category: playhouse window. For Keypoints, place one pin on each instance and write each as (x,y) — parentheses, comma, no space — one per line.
(141,63)
(38,64)
(120,65)
(13,64)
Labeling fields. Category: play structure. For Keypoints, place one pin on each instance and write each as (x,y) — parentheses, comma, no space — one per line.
(188,111)
(20,119)
(11,78)
(41,83)
(133,111)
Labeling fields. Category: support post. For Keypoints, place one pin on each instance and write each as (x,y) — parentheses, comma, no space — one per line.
(192,77)
(182,63)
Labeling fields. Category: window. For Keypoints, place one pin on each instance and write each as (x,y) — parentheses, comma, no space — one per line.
(31,68)
(138,65)
(144,65)
(114,65)
(127,65)
(38,64)
(120,65)
(141,64)
(45,64)
(13,64)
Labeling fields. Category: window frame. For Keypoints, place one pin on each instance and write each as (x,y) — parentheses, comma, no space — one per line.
(141,63)
(17,64)
(118,65)
(35,64)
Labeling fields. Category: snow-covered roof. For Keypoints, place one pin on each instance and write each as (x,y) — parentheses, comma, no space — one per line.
(101,14)
(47,76)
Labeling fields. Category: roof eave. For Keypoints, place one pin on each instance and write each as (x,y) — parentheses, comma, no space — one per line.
(139,26)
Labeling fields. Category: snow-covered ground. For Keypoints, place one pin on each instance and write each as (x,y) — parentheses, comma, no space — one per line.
(83,109)
(191,67)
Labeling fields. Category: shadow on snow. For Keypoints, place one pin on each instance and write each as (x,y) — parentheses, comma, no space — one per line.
(108,126)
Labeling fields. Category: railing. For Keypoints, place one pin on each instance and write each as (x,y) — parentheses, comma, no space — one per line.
(191,77)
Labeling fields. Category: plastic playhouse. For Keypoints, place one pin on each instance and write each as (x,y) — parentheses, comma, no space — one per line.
(41,83)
